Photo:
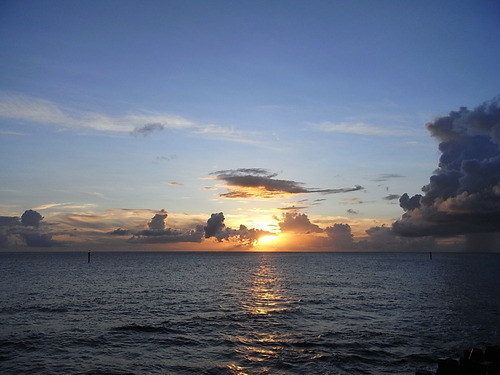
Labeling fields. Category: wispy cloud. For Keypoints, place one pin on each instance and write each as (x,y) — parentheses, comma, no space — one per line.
(25,108)
(65,206)
(227,134)
(386,176)
(391,197)
(11,132)
(359,128)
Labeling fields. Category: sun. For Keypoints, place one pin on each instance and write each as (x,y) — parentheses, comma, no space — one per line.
(267,239)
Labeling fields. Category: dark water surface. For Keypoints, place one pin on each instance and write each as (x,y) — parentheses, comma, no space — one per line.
(243,313)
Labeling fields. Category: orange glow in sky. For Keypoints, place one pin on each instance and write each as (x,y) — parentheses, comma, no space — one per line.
(267,240)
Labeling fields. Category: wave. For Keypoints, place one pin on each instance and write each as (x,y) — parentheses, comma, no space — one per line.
(144,329)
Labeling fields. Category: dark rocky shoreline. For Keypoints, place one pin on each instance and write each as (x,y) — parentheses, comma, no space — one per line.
(474,361)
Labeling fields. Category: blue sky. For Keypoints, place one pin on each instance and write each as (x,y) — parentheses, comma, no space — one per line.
(113,110)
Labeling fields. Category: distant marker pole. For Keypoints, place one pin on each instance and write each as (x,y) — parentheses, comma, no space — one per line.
(430,255)
(88,257)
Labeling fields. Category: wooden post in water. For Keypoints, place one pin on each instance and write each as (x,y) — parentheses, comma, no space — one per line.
(430,255)
(88,257)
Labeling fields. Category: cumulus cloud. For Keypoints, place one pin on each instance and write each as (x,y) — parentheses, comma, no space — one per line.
(298,223)
(158,221)
(242,236)
(340,236)
(25,231)
(159,233)
(260,183)
(31,218)
(463,194)
(215,225)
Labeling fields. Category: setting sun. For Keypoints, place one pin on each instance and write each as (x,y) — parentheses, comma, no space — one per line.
(268,239)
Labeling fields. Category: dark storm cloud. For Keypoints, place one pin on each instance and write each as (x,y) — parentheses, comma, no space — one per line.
(215,224)
(383,238)
(25,231)
(31,218)
(463,194)
(148,129)
(39,239)
(298,223)
(9,220)
(259,182)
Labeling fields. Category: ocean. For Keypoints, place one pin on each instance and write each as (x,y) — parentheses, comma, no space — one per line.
(243,313)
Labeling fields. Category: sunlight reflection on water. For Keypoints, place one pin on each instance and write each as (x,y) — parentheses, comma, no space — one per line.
(264,301)
(266,295)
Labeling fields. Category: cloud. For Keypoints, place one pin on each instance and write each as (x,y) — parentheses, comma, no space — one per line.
(9,221)
(121,232)
(358,128)
(292,208)
(158,233)
(260,183)
(26,108)
(12,132)
(31,218)
(391,197)
(463,194)
(148,128)
(298,223)
(168,236)
(166,158)
(228,134)
(25,231)
(352,201)
(215,224)
(158,221)
(384,238)
(173,183)
(340,236)
(387,176)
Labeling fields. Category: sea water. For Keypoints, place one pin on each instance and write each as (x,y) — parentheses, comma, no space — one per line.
(243,313)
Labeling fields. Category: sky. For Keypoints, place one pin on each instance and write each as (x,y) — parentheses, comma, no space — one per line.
(250,125)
